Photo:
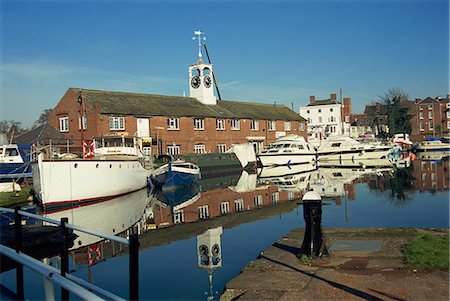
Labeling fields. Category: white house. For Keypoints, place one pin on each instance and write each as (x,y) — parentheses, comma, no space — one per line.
(326,118)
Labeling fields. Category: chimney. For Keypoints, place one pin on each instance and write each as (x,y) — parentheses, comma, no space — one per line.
(377,107)
(333,96)
(312,99)
(347,106)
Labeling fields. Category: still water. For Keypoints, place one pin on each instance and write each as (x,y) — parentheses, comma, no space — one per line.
(235,217)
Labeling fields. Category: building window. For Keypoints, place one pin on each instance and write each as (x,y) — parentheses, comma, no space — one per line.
(178,216)
(235,124)
(448,124)
(271,125)
(203,212)
(221,148)
(199,149)
(431,125)
(320,119)
(173,150)
(421,115)
(347,118)
(254,125)
(422,126)
(275,197)
(64,124)
(199,124)
(220,124)
(448,114)
(320,110)
(430,114)
(291,195)
(307,111)
(173,124)
(116,123)
(239,205)
(82,122)
(224,208)
(287,125)
(258,200)
(420,108)
(332,119)
(430,107)
(301,126)
(331,109)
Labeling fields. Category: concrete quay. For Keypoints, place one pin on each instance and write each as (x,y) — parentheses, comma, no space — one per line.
(364,264)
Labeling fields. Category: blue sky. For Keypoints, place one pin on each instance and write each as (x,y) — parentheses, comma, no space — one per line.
(262,51)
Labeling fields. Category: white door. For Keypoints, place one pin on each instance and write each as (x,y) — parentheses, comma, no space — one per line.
(143,127)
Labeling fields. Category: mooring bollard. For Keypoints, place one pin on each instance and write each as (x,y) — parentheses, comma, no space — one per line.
(313,242)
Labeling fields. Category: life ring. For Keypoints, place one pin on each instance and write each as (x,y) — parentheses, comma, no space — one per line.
(88,148)
(94,254)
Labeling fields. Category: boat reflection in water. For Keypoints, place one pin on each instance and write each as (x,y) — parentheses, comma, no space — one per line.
(113,217)
(170,221)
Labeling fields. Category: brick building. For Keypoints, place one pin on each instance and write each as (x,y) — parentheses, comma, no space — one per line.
(374,120)
(177,124)
(429,117)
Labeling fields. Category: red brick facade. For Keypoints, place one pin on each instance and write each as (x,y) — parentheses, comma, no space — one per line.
(186,136)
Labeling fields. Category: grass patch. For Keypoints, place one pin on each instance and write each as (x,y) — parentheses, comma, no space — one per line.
(427,252)
(10,199)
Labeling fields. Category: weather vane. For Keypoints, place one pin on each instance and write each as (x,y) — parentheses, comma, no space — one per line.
(198,36)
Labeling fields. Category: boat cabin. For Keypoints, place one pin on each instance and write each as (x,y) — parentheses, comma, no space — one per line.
(10,153)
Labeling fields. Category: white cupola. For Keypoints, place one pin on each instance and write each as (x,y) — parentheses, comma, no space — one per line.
(201,84)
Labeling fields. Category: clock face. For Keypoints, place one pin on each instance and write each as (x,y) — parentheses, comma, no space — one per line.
(207,81)
(195,82)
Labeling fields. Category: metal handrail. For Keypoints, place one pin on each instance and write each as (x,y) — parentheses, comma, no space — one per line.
(50,273)
(70,226)
(132,243)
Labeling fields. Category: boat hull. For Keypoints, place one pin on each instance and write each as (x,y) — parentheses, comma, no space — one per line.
(287,159)
(362,154)
(15,170)
(59,184)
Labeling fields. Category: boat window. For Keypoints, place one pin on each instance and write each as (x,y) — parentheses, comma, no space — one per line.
(337,174)
(287,151)
(129,142)
(336,144)
(11,152)
(300,147)
(113,142)
(273,151)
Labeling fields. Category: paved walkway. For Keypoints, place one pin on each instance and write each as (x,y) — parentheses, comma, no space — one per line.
(352,273)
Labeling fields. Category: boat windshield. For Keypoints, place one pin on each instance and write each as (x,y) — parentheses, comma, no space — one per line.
(11,152)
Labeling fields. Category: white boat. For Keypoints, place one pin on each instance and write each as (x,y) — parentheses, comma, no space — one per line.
(434,144)
(288,150)
(117,167)
(295,178)
(345,148)
(14,161)
(176,173)
(433,156)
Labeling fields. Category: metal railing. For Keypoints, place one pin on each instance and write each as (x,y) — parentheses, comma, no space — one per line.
(68,282)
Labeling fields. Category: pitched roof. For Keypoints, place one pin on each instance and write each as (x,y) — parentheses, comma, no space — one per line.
(43,132)
(323,102)
(162,105)
(380,109)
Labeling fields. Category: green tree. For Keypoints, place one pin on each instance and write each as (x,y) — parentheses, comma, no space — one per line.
(398,117)
(11,127)
(42,118)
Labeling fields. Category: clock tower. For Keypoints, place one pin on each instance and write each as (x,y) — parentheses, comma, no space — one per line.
(201,77)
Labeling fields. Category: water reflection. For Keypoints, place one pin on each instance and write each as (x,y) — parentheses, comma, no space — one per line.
(179,222)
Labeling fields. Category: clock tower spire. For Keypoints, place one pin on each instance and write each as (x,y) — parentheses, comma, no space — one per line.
(200,76)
